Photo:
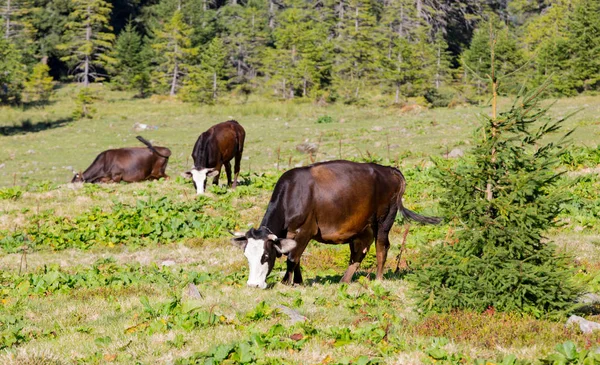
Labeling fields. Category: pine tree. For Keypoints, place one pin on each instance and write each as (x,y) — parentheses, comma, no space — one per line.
(12,73)
(205,81)
(508,56)
(583,34)
(501,201)
(442,65)
(39,85)
(89,39)
(357,56)
(173,51)
(246,32)
(131,59)
(299,62)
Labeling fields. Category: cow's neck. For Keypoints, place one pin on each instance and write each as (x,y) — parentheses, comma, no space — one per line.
(274,220)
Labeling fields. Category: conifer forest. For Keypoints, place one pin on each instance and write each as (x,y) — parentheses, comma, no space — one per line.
(329,50)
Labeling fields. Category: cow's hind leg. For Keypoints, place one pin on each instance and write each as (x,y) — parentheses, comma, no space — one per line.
(358,250)
(228,172)
(383,242)
(236,169)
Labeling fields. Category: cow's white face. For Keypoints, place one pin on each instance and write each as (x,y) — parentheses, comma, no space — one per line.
(200,176)
(258,260)
(261,253)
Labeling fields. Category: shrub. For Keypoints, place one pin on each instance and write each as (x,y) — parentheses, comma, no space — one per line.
(324,119)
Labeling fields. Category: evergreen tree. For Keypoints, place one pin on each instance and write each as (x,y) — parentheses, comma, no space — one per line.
(89,39)
(442,73)
(39,85)
(131,59)
(12,73)
(357,57)
(173,51)
(583,33)
(299,62)
(508,57)
(206,80)
(502,201)
(246,32)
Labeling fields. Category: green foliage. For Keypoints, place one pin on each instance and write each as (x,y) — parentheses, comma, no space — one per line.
(501,202)
(152,221)
(11,193)
(11,331)
(566,353)
(89,39)
(12,73)
(174,314)
(83,104)
(508,57)
(131,64)
(324,119)
(172,53)
(103,275)
(39,85)
(204,82)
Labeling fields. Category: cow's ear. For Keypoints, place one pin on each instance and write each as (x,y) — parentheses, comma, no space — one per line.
(285,245)
(240,242)
(212,173)
(187,174)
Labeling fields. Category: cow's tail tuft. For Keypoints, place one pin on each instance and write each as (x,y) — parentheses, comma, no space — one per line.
(150,146)
(409,214)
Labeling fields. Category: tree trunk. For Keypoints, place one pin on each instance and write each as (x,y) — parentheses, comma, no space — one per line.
(304,87)
(397,99)
(7,15)
(88,37)
(356,19)
(214,86)
(401,25)
(271,14)
(174,80)
(419,8)
(437,74)
(341,18)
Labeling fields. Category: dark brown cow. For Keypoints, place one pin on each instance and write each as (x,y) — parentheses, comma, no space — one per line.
(127,164)
(331,202)
(214,148)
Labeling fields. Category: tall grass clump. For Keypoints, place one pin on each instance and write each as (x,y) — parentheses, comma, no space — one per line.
(501,202)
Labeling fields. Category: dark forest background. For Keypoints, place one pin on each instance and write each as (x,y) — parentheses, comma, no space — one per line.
(324,50)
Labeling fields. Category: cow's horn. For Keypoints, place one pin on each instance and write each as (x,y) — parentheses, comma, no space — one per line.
(272,237)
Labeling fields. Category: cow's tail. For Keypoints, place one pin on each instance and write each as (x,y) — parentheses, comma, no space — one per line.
(150,146)
(409,214)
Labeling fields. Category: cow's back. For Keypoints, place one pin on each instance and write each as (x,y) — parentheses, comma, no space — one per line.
(342,196)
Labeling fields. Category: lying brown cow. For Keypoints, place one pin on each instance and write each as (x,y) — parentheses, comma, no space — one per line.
(214,148)
(331,202)
(127,164)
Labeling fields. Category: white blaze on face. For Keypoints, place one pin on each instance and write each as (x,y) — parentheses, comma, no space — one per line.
(254,252)
(199,177)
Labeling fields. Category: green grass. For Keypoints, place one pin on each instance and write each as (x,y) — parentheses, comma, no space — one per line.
(82,279)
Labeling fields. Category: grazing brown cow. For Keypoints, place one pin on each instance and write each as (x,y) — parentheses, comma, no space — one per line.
(127,164)
(214,148)
(331,202)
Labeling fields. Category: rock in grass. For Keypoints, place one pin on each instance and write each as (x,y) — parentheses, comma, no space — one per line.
(307,147)
(589,298)
(586,326)
(192,291)
(294,316)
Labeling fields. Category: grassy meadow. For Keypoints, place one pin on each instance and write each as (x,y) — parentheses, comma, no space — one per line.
(144,273)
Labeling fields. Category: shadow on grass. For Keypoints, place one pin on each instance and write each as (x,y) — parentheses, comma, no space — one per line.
(27,126)
(333,279)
